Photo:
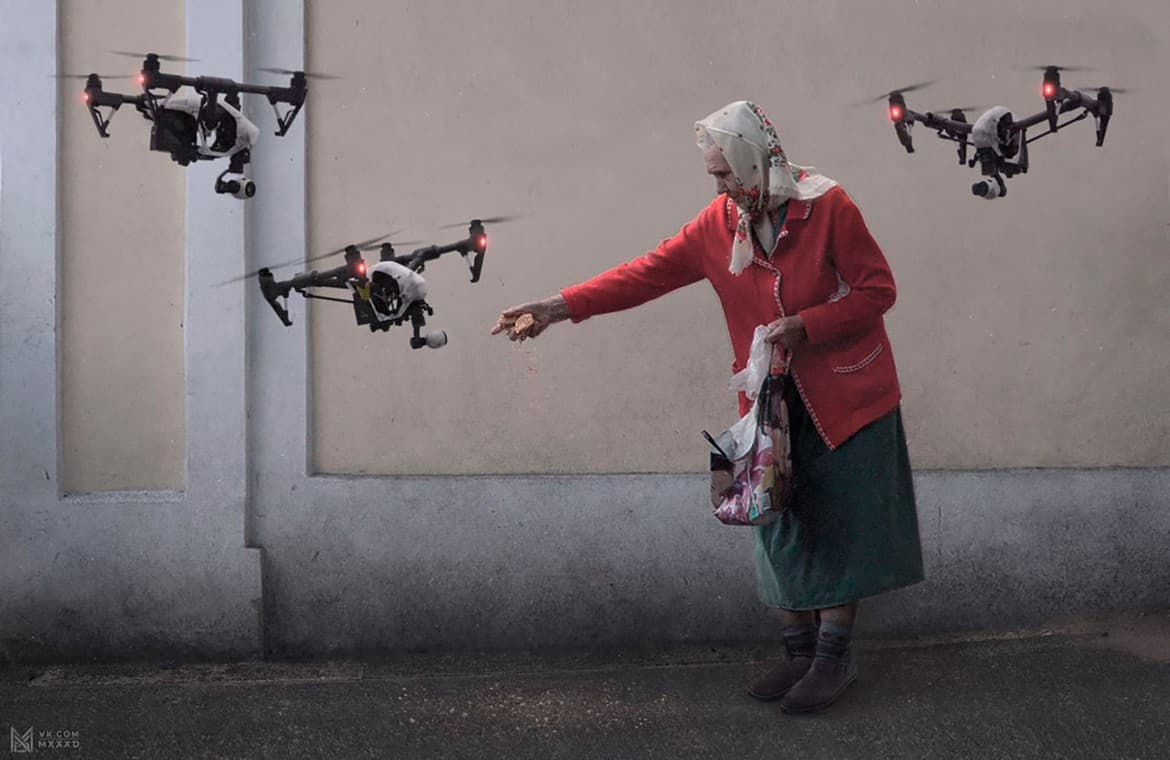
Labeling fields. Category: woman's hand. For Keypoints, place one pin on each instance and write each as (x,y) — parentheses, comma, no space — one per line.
(531,319)
(787,331)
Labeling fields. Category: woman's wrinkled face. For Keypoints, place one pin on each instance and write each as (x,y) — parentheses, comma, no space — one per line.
(718,168)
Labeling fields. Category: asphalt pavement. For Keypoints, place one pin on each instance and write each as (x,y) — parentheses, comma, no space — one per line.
(1083,688)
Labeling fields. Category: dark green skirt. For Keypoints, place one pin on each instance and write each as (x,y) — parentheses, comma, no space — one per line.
(852,531)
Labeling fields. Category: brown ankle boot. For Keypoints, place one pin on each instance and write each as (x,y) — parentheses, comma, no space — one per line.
(833,669)
(800,643)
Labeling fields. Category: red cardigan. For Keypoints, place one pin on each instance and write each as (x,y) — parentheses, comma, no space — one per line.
(826,267)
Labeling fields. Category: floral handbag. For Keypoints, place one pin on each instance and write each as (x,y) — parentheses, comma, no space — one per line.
(758,449)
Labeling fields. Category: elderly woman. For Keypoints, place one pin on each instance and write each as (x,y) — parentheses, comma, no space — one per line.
(786,247)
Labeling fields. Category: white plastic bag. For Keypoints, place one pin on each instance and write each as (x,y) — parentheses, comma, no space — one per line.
(751,377)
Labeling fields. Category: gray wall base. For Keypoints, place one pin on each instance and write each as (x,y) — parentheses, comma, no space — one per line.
(507,563)
(126,581)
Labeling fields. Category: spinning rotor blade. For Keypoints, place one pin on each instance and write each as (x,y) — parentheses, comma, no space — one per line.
(483,220)
(161,57)
(393,243)
(964,109)
(899,91)
(362,246)
(1095,90)
(307,74)
(365,245)
(1058,68)
(86,76)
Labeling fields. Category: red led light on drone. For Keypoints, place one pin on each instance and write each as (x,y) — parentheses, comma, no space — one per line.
(483,241)
(85,96)
(361,267)
(1049,89)
(141,79)
(895,113)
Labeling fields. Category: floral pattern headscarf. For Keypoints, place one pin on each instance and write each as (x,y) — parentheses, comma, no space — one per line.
(764,179)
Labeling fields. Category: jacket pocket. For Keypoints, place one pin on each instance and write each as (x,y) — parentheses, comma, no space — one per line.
(860,364)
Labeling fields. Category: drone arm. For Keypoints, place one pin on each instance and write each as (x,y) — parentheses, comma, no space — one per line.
(1074,120)
(97,98)
(931,121)
(294,95)
(274,289)
(417,259)
(330,278)
(1019,125)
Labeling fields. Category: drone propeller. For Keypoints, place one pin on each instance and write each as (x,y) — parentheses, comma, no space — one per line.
(391,243)
(87,76)
(964,109)
(899,91)
(1058,68)
(1095,90)
(483,220)
(306,74)
(365,245)
(161,57)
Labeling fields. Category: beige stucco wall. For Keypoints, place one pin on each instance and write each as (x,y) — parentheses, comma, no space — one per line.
(1029,332)
(121,258)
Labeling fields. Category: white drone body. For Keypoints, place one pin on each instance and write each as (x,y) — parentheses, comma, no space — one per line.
(191,103)
(985,132)
(411,287)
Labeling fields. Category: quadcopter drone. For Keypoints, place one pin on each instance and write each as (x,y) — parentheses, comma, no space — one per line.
(390,292)
(201,126)
(1000,140)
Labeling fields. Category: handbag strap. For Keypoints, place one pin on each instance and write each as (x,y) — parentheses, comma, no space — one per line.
(785,361)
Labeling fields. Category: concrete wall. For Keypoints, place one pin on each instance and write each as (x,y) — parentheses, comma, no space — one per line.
(1020,324)
(259,551)
(127,573)
(121,258)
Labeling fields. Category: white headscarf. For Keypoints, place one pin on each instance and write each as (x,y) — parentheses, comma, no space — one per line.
(763,176)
